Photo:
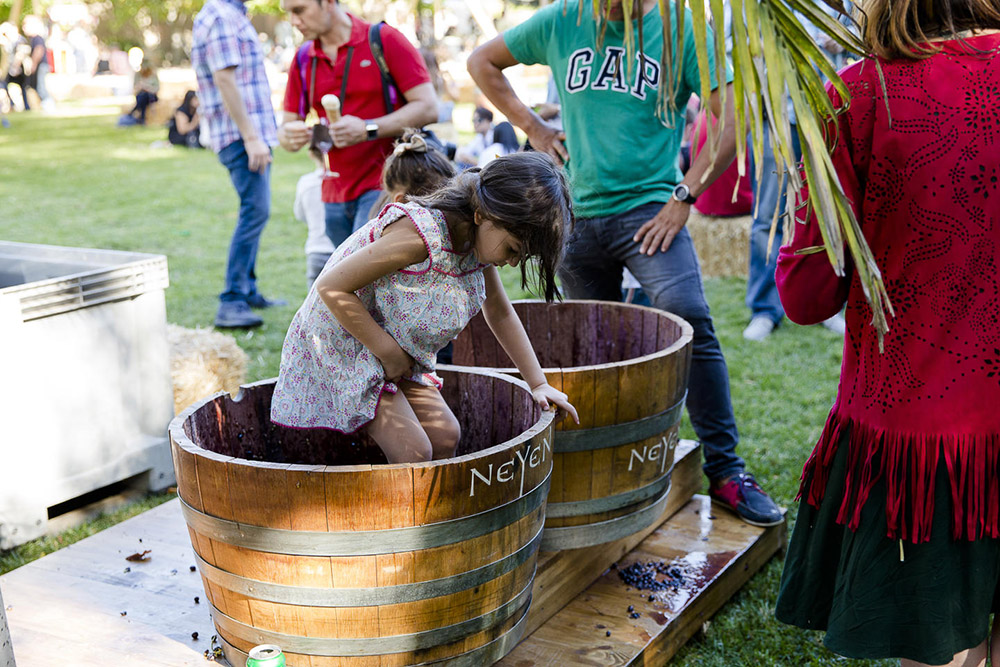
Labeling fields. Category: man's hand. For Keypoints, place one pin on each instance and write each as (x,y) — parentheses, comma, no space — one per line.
(547,139)
(659,233)
(347,131)
(258,155)
(293,135)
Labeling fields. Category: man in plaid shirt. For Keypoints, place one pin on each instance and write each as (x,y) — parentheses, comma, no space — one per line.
(236,104)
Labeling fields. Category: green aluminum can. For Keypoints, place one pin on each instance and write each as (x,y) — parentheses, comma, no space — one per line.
(266,655)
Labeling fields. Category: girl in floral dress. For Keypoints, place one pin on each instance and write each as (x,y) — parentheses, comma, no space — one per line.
(360,352)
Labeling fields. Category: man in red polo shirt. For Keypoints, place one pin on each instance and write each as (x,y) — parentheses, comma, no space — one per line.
(363,136)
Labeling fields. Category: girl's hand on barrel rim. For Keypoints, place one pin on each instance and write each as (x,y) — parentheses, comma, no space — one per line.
(550,398)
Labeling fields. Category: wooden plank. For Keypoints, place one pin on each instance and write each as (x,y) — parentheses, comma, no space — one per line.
(536,323)
(73,599)
(714,555)
(562,575)
(562,318)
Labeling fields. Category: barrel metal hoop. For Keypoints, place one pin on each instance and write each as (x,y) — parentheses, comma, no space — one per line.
(360,646)
(574,537)
(608,503)
(487,654)
(364,542)
(614,435)
(368,597)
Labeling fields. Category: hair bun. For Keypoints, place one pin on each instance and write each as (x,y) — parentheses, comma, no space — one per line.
(410,141)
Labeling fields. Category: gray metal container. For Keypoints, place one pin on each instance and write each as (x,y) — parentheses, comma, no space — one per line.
(85,388)
(6,648)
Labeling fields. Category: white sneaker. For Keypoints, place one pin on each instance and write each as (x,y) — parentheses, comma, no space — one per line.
(760,327)
(836,324)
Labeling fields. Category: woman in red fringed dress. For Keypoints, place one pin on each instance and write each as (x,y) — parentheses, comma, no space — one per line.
(896,550)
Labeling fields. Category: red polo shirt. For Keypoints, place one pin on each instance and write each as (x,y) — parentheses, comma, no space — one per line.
(360,165)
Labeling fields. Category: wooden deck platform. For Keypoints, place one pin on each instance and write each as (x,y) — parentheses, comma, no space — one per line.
(86,605)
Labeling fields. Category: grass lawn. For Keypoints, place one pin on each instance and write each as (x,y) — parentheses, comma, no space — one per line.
(83,182)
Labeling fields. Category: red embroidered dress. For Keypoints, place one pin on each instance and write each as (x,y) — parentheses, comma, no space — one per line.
(926,189)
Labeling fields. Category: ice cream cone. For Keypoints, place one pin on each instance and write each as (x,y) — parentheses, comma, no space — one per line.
(332,105)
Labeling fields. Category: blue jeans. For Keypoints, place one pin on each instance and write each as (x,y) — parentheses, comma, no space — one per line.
(345,218)
(254,190)
(595,253)
(762,293)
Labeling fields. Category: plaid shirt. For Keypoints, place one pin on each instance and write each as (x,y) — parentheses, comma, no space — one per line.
(224,37)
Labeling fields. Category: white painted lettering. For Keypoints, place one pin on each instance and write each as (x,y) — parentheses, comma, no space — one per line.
(505,471)
(487,480)
(535,458)
(521,456)
(636,455)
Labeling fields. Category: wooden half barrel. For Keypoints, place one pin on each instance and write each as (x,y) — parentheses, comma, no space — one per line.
(308,539)
(625,369)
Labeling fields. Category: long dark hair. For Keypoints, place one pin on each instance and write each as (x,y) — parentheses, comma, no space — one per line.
(525,194)
(186,104)
(901,28)
(503,134)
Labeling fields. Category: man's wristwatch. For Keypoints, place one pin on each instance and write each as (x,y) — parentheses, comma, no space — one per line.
(371,128)
(682,193)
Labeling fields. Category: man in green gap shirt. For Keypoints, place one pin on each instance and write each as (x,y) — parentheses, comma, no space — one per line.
(630,198)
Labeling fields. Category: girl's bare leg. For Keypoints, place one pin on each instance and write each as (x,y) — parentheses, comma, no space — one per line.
(973,657)
(436,418)
(398,432)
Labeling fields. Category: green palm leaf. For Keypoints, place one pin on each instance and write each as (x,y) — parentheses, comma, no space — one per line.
(775,59)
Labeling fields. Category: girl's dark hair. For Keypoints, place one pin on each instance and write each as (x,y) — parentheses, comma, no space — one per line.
(415,167)
(188,98)
(503,134)
(900,28)
(525,194)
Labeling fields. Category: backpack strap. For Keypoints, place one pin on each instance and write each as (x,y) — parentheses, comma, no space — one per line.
(390,91)
(302,59)
(307,73)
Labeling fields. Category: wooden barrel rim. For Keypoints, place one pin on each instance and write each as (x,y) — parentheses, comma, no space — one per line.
(364,646)
(687,335)
(176,431)
(308,596)
(486,654)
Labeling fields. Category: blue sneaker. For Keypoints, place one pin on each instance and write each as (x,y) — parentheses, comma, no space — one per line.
(743,495)
(236,315)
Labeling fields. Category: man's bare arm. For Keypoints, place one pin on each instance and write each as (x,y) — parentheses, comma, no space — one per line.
(486,66)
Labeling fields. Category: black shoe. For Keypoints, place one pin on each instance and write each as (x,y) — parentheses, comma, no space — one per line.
(743,495)
(260,301)
(236,315)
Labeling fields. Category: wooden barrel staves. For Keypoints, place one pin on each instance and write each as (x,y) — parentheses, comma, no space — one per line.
(625,368)
(307,539)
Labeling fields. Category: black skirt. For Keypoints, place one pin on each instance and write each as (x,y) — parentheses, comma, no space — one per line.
(927,606)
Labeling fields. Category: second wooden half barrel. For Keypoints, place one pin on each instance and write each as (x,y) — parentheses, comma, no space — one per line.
(307,539)
(625,368)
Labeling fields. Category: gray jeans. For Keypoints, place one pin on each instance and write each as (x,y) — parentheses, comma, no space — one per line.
(597,250)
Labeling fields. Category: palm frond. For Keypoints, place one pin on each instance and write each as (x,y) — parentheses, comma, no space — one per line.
(776,60)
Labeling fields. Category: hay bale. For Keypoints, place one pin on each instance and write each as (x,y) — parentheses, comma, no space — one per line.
(203,362)
(722,244)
